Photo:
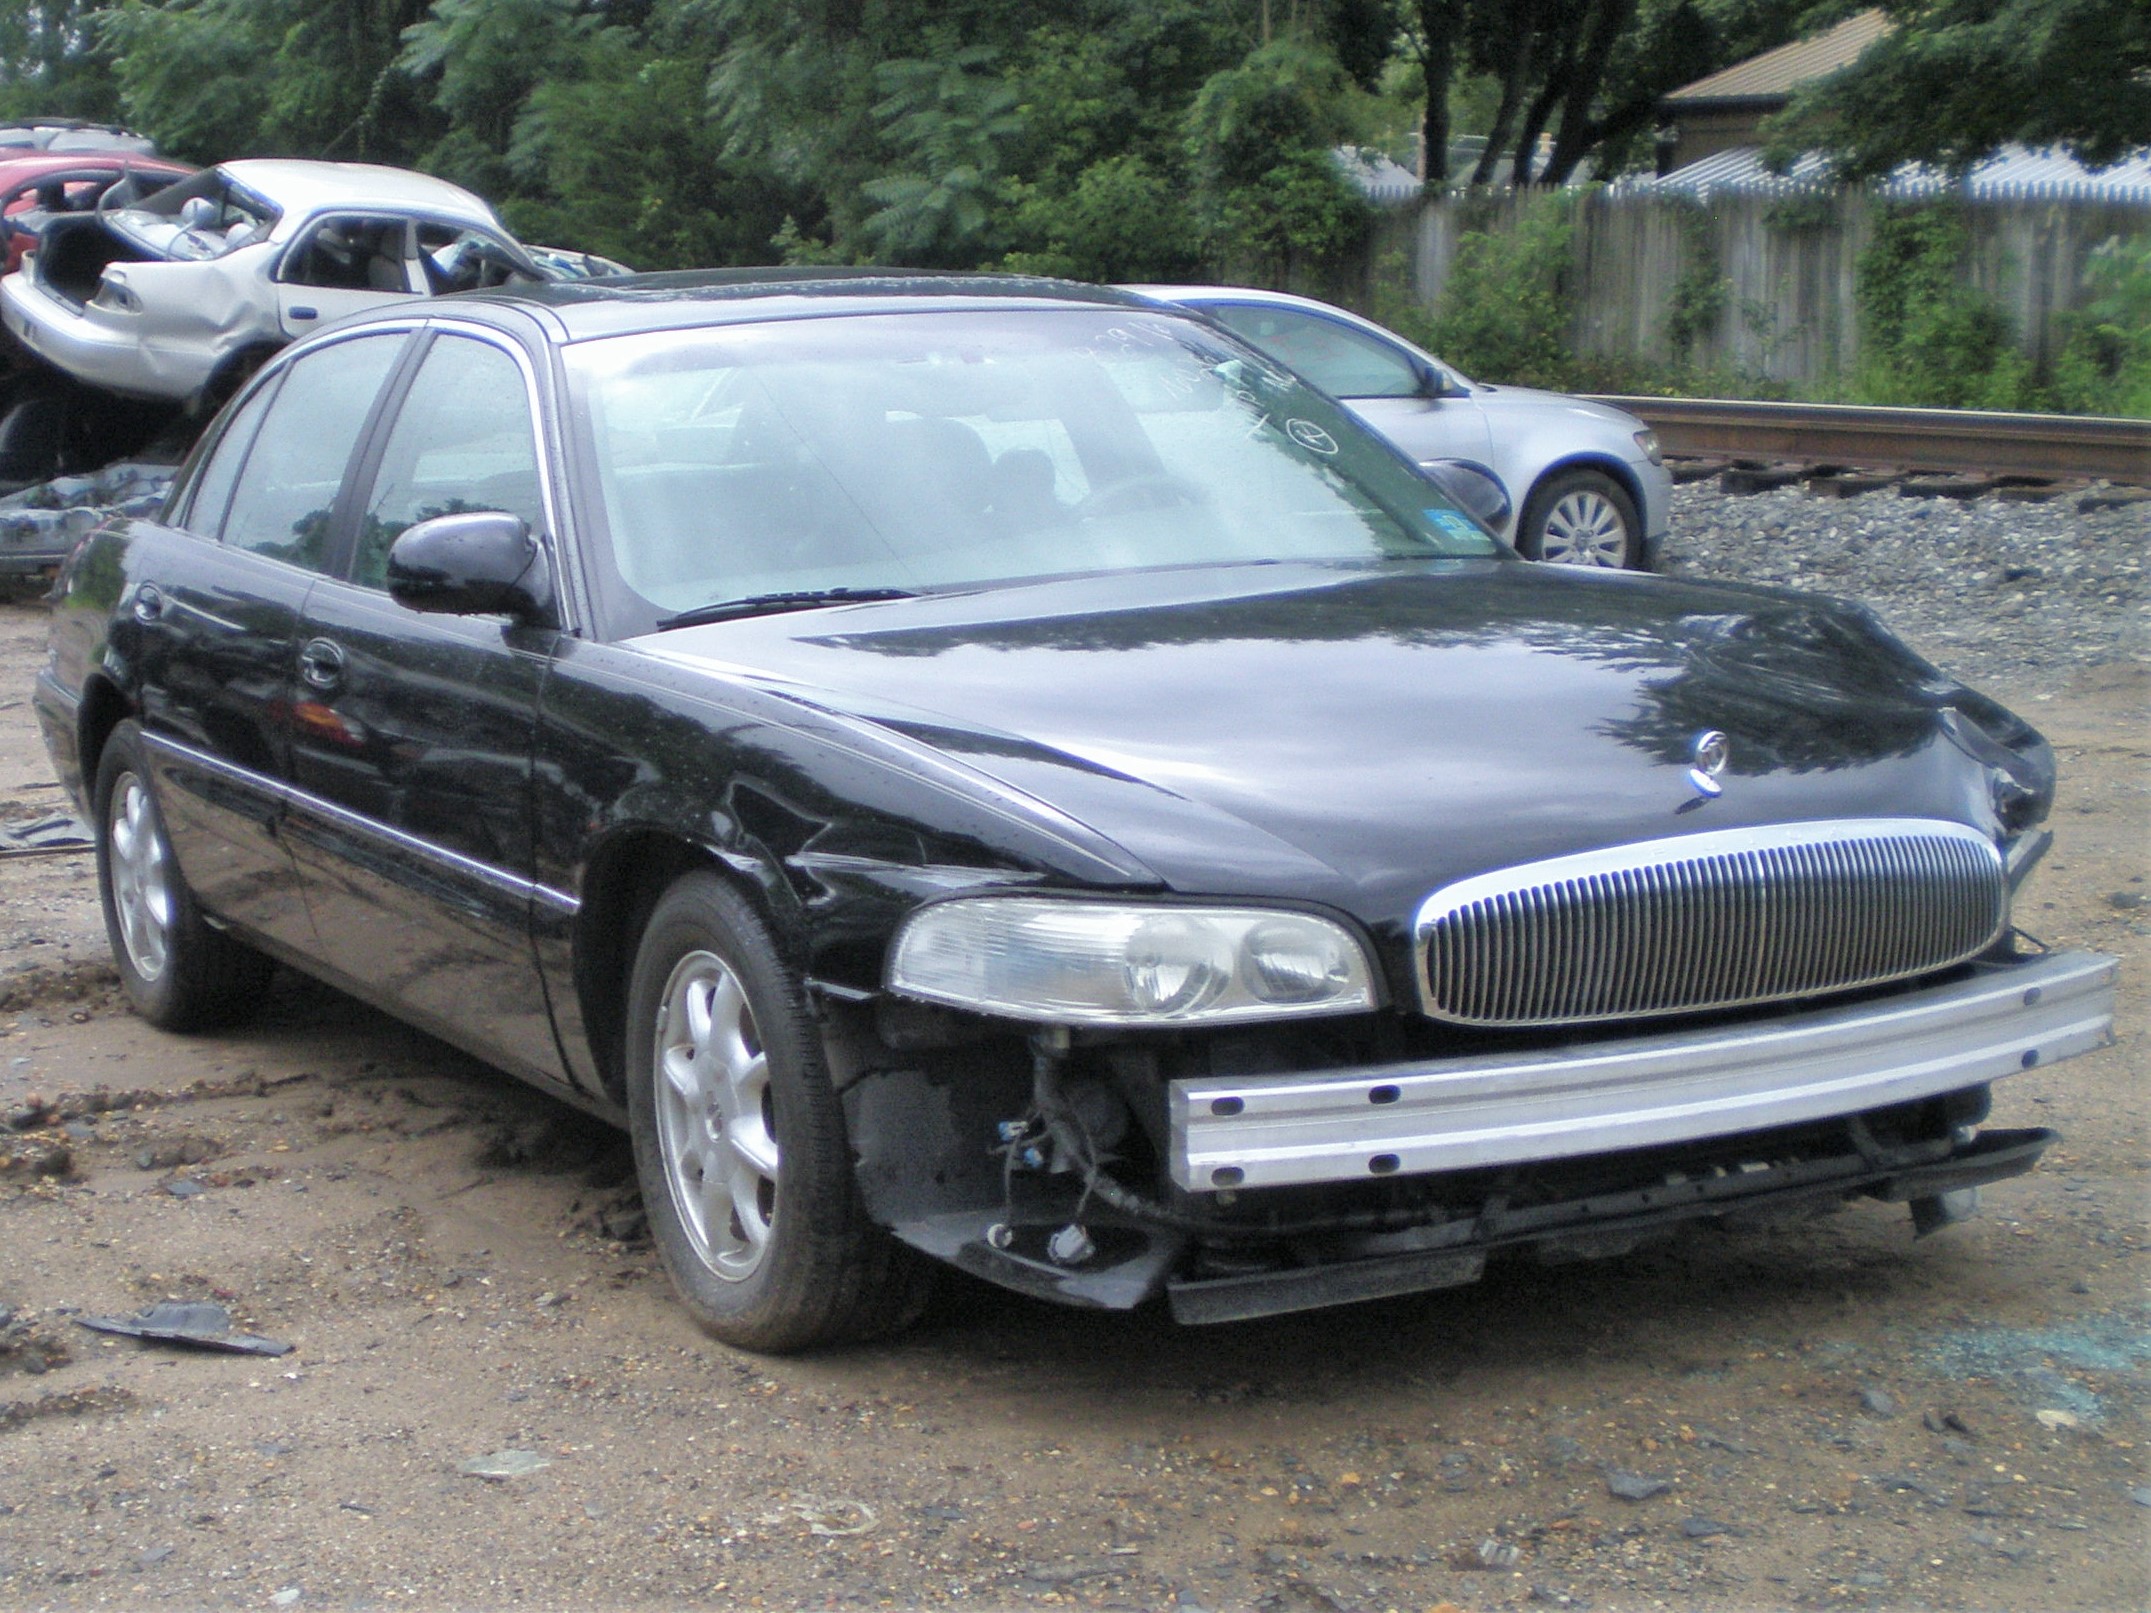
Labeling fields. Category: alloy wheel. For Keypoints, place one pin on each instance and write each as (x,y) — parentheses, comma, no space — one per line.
(141,878)
(1584,528)
(716,1119)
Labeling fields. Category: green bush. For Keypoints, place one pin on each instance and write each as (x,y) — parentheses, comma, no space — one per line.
(1926,339)
(1505,310)
(2104,366)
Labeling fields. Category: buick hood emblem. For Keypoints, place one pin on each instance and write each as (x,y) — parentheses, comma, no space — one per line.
(1707,757)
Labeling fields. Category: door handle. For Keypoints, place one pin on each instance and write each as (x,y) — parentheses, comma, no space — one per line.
(303,312)
(148,603)
(321,663)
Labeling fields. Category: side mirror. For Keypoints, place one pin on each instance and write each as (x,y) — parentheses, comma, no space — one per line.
(1434,384)
(478,563)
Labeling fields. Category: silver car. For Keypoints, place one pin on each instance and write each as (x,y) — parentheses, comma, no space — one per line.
(183,293)
(1585,482)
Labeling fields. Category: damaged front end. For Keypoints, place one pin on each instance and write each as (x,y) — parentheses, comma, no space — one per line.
(1242,1173)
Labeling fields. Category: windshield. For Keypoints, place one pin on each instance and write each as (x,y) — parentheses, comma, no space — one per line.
(198,218)
(951,449)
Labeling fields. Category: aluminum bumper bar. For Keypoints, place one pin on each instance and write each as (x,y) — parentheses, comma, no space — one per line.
(1598,1097)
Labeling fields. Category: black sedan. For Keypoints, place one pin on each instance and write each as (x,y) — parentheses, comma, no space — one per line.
(998,771)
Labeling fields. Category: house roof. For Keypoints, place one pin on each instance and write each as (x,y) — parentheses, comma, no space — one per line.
(2015,173)
(1772,76)
(1375,176)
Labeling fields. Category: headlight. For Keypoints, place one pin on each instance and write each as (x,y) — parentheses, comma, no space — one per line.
(1648,442)
(112,294)
(1100,963)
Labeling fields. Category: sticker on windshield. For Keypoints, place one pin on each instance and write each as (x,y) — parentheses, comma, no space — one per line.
(1311,437)
(1455,523)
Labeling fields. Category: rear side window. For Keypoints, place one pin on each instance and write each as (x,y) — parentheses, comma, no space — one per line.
(1343,362)
(351,254)
(213,487)
(287,490)
(462,441)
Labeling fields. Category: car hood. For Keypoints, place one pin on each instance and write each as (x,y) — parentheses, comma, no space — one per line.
(1360,736)
(1501,401)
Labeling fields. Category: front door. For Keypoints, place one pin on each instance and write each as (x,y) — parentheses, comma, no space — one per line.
(1384,385)
(412,734)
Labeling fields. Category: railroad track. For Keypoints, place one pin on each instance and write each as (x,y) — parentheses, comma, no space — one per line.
(1852,437)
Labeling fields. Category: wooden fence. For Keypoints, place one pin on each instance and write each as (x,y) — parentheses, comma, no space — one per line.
(1785,266)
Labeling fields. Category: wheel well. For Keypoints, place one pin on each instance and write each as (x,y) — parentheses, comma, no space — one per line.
(625,878)
(103,709)
(1613,468)
(231,375)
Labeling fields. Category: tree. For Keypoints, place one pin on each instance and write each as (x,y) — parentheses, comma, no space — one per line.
(1955,80)
(1591,72)
(53,63)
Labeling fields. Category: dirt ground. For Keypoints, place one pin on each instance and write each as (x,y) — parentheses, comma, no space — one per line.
(1841,1417)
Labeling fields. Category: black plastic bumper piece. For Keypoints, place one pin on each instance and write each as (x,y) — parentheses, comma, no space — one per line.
(1454,1253)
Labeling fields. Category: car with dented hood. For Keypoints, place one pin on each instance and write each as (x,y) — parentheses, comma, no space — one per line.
(997,772)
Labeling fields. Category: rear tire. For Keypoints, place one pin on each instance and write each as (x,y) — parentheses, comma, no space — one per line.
(1581,518)
(739,1137)
(178,972)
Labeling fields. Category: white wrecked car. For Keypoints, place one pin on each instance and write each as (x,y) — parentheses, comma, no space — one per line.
(181,294)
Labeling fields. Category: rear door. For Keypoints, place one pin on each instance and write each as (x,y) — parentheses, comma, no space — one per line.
(413,733)
(214,634)
(340,264)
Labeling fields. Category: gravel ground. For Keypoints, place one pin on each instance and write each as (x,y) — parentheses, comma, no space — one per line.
(2017,594)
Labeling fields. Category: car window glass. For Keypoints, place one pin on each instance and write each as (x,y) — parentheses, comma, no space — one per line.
(457,259)
(288,489)
(462,441)
(929,450)
(213,487)
(1343,362)
(350,254)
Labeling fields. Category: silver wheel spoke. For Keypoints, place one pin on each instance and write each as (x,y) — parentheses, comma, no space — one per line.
(753,1147)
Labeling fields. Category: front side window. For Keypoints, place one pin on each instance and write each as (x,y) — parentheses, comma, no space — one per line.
(462,441)
(1343,362)
(943,449)
(457,258)
(286,495)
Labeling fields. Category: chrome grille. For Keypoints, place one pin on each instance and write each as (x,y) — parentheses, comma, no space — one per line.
(1709,921)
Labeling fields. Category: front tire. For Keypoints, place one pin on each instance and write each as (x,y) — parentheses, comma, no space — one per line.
(1581,518)
(739,1137)
(179,973)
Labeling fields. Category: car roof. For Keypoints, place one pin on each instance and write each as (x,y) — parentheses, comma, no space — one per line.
(1249,294)
(22,162)
(627,304)
(299,186)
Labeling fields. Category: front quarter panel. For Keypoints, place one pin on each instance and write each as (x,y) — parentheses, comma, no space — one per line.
(642,762)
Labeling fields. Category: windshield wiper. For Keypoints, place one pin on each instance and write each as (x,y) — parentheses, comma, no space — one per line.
(725,610)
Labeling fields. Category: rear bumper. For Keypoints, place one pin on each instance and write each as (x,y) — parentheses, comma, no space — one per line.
(1686,1086)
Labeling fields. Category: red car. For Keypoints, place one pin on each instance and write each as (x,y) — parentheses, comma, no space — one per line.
(35,185)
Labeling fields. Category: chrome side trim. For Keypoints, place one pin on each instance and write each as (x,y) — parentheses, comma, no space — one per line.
(1510,1108)
(289,796)
(1730,918)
